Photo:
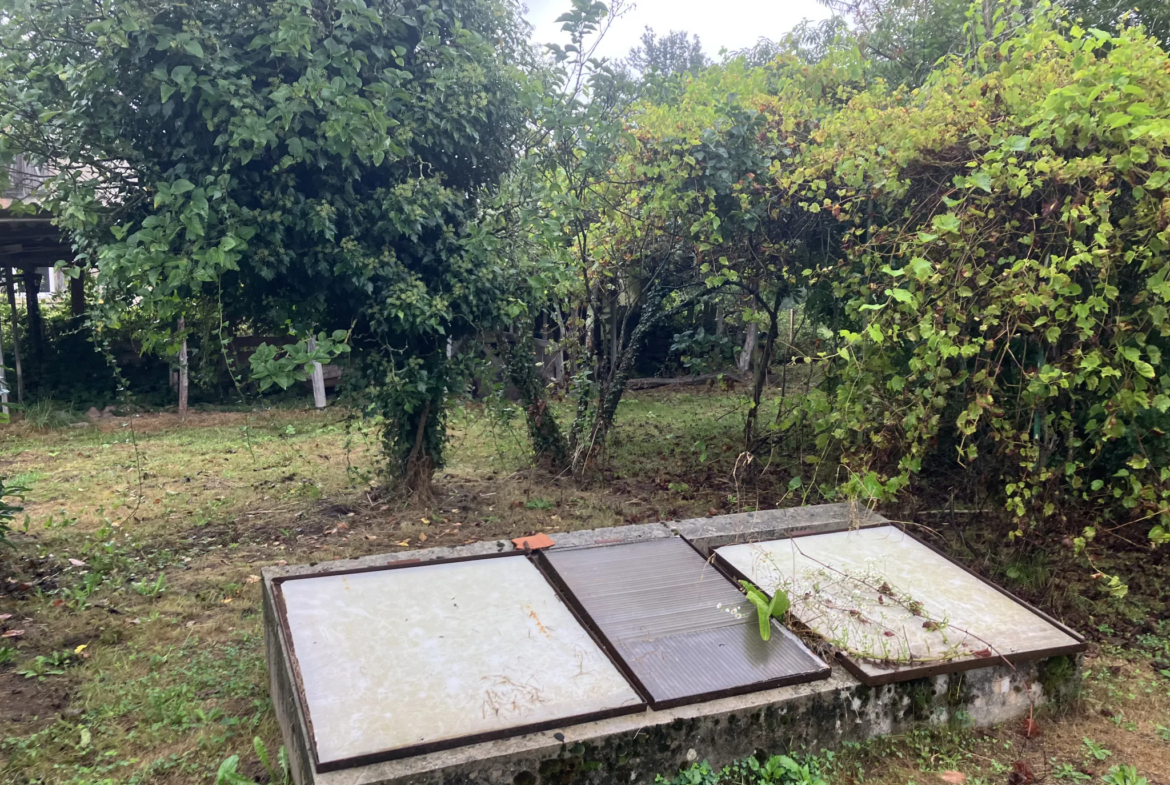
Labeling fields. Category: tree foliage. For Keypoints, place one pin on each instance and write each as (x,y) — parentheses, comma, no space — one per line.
(1005,274)
(322,163)
(666,55)
(989,250)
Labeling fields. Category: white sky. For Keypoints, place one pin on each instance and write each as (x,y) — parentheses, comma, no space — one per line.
(735,24)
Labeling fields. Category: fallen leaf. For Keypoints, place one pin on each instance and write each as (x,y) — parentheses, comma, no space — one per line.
(5,616)
(226,600)
(425,520)
(190,624)
(58,603)
(888,634)
(281,563)
(371,536)
(982,653)
(1021,774)
(343,526)
(404,543)
(77,562)
(422,537)
(953,777)
(1031,729)
(252,579)
(12,634)
(80,648)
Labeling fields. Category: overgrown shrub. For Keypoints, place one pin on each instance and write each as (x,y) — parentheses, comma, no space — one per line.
(10,497)
(1005,276)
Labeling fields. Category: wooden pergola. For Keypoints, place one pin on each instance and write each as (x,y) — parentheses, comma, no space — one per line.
(29,243)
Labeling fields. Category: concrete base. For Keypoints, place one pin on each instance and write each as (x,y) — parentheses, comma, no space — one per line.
(636,748)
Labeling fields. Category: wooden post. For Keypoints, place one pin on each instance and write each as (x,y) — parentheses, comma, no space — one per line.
(318,379)
(32,314)
(77,294)
(183,371)
(3,384)
(9,279)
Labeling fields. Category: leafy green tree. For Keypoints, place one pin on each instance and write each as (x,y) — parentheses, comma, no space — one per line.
(318,163)
(1107,14)
(902,39)
(666,55)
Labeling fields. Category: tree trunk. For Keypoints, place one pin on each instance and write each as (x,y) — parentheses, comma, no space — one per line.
(549,446)
(609,395)
(749,430)
(77,294)
(319,376)
(10,286)
(183,371)
(749,347)
(420,465)
(36,324)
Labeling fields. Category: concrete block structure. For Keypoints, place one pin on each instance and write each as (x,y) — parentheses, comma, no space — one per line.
(635,747)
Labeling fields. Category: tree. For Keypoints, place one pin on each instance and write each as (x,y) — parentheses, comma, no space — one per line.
(1107,14)
(902,39)
(315,163)
(666,55)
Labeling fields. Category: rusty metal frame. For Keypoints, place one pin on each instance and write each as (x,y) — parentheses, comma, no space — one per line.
(588,622)
(444,744)
(909,673)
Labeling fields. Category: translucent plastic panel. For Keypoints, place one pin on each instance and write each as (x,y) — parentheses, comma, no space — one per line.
(683,630)
(895,608)
(423,657)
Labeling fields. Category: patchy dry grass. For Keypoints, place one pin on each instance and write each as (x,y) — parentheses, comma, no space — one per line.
(134,581)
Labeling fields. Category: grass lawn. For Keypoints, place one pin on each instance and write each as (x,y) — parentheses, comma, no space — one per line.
(134,651)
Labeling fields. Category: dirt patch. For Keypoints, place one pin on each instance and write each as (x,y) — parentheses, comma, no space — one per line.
(30,702)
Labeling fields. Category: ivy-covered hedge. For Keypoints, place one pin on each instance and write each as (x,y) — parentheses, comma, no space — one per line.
(989,252)
(1006,285)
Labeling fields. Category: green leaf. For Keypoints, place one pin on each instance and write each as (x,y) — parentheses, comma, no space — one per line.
(193,48)
(901,295)
(947,223)
(921,268)
(182,186)
(980,180)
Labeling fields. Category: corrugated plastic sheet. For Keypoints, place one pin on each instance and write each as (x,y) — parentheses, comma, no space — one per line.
(682,631)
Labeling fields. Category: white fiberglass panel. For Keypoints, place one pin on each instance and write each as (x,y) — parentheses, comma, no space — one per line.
(398,658)
(890,604)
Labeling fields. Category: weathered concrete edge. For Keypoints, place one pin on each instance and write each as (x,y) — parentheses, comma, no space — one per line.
(710,533)
(636,748)
(705,533)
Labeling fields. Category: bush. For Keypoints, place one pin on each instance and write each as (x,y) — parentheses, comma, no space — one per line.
(1006,276)
(46,414)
